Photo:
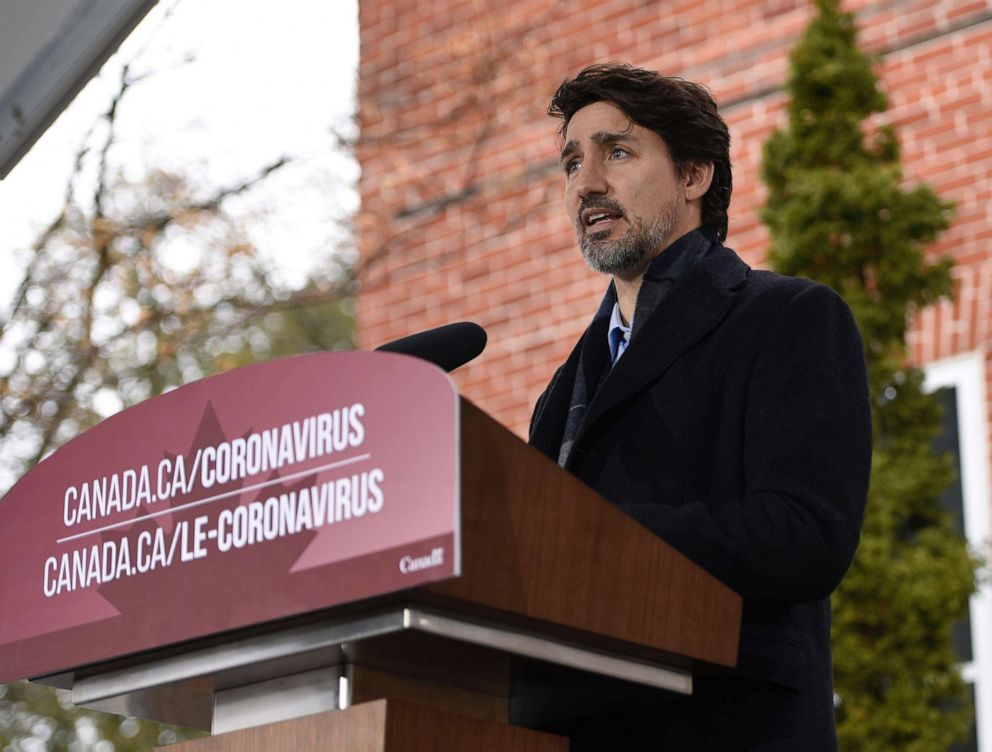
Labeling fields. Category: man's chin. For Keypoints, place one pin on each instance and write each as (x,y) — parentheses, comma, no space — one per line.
(610,261)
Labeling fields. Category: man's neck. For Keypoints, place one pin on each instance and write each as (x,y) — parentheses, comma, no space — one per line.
(627,288)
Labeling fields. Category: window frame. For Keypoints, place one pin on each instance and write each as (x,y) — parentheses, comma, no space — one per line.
(966,374)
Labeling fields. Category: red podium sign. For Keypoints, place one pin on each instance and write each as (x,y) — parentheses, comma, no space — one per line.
(269,491)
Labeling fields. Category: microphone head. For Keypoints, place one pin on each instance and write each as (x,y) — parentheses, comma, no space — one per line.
(448,346)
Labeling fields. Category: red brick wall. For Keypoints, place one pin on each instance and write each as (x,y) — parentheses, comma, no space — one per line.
(462,216)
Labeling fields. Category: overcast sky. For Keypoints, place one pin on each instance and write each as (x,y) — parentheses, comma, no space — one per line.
(267,79)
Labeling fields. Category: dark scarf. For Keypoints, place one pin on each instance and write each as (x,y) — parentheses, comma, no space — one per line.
(664,271)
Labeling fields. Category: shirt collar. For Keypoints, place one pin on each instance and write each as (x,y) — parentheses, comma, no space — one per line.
(618,334)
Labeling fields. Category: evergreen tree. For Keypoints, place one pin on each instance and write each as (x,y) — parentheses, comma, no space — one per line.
(838,212)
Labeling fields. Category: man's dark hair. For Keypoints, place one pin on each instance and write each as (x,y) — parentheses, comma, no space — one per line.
(682,113)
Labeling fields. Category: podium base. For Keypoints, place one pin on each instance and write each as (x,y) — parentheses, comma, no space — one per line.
(379,726)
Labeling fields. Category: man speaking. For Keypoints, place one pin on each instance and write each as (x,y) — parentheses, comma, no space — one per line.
(724,408)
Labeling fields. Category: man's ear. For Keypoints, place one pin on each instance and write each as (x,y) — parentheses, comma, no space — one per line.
(698,178)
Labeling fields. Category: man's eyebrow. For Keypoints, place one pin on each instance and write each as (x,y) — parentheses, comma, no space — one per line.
(601,138)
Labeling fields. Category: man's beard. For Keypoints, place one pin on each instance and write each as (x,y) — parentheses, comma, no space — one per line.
(636,246)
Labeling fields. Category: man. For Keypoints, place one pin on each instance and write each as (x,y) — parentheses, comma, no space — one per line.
(724,408)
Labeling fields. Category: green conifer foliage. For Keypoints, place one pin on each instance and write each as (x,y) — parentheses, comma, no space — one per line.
(838,212)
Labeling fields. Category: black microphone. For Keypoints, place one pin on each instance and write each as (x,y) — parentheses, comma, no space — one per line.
(447,346)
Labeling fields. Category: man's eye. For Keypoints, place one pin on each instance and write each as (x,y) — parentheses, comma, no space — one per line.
(571,166)
(618,152)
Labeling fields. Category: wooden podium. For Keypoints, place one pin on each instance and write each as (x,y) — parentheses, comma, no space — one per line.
(552,574)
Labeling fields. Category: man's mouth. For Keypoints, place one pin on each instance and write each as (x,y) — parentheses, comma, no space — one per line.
(599,219)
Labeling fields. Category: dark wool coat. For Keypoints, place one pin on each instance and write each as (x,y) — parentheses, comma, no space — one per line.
(737,428)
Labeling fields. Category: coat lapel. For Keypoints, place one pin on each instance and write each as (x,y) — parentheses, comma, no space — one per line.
(590,356)
(548,422)
(688,313)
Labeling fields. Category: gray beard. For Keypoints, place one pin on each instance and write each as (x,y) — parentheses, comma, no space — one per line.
(633,248)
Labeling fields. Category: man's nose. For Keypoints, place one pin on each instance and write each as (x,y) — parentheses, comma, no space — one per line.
(592,180)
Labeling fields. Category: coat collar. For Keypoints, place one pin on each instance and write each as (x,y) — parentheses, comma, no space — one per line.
(690,310)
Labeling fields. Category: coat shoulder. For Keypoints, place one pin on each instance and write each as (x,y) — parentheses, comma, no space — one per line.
(764,282)
(774,293)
